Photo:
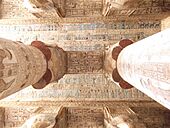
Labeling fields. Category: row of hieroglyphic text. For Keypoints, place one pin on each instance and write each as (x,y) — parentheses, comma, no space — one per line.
(115,25)
(79,93)
(82,36)
(75,8)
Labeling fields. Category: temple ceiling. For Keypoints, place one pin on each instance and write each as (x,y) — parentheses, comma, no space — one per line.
(82,8)
(84,29)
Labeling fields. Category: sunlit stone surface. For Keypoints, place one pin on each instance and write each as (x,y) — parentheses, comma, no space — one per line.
(146,65)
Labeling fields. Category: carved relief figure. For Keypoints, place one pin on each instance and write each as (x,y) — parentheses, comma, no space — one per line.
(3,84)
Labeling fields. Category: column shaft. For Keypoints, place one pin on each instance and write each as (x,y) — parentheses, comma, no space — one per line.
(20,66)
(146,65)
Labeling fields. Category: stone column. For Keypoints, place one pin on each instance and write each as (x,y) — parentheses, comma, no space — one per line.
(146,65)
(110,63)
(22,65)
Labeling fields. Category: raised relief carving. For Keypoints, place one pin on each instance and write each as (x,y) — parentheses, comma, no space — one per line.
(4,73)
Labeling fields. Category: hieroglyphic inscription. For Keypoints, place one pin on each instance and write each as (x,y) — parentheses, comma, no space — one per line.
(85,117)
(84,62)
(157,71)
(79,93)
(115,25)
(83,8)
(152,116)
(15,117)
(82,36)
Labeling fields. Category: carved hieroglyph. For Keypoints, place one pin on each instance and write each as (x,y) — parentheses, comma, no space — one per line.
(20,66)
(146,65)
